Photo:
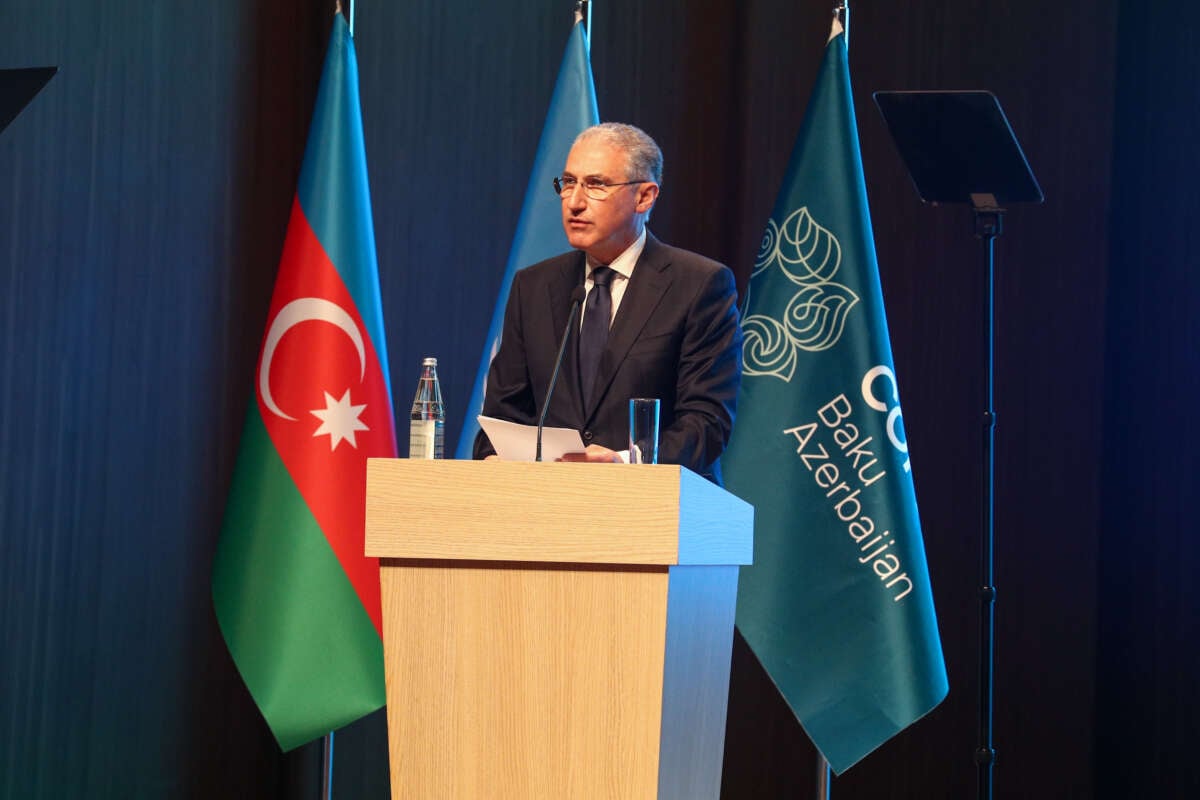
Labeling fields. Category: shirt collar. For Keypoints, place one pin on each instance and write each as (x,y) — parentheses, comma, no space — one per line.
(624,263)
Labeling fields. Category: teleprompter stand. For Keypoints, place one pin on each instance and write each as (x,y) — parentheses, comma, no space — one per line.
(959,148)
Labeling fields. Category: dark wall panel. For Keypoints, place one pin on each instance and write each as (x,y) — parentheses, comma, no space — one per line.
(1148,703)
(143,199)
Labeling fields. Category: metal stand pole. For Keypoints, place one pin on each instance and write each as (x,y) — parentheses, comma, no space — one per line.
(988,227)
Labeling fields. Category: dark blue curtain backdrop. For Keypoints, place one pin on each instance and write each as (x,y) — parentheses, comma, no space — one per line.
(143,199)
(1148,714)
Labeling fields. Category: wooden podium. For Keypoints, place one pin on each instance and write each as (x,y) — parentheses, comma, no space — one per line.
(555,630)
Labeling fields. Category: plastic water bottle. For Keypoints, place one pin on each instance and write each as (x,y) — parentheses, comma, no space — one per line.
(426,430)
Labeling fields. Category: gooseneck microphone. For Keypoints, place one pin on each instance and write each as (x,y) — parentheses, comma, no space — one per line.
(577,296)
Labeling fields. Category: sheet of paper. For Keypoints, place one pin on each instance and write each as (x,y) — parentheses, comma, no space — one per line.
(515,442)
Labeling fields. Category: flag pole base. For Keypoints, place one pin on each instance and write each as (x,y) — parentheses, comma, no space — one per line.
(327,766)
(824,778)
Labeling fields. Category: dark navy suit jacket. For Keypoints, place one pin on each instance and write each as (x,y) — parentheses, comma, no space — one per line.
(675,337)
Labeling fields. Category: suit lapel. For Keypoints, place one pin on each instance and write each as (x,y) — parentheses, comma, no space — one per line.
(645,291)
(566,393)
(559,290)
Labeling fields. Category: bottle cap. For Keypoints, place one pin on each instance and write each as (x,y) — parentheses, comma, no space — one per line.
(429,362)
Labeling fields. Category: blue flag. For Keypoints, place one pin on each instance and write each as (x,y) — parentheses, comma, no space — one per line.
(837,606)
(539,229)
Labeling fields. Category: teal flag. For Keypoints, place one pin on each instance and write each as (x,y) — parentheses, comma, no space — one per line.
(539,228)
(837,605)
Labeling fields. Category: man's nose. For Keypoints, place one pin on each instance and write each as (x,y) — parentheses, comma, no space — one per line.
(576,198)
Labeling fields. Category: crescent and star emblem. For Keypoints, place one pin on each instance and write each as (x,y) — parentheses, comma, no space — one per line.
(339,418)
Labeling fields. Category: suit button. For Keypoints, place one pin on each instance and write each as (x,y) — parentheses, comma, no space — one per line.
(587,436)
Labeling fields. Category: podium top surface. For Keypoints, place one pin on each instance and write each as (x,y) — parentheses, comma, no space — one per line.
(553,513)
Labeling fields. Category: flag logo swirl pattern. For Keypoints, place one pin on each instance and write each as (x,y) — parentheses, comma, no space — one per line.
(813,318)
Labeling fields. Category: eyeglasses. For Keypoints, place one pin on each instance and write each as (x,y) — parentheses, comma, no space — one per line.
(592,187)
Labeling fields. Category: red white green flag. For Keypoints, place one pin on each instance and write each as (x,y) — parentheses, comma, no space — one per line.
(296,600)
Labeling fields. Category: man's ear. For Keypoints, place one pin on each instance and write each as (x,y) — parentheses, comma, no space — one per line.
(647,194)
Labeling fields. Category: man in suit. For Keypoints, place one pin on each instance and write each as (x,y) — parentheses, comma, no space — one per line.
(657,321)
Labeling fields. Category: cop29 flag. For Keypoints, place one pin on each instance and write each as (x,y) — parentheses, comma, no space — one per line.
(837,606)
(539,228)
(296,600)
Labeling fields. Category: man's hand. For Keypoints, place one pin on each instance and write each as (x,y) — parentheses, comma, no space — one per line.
(594,454)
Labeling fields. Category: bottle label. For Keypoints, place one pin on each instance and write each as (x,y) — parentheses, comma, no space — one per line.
(425,439)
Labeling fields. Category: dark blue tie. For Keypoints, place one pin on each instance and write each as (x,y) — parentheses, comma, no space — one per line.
(593,335)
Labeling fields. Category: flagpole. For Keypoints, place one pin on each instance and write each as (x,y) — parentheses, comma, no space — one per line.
(841,12)
(327,741)
(327,766)
(824,777)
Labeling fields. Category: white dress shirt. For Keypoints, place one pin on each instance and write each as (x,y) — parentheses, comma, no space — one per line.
(622,265)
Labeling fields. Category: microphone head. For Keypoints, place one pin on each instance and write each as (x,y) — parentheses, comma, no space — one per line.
(577,295)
